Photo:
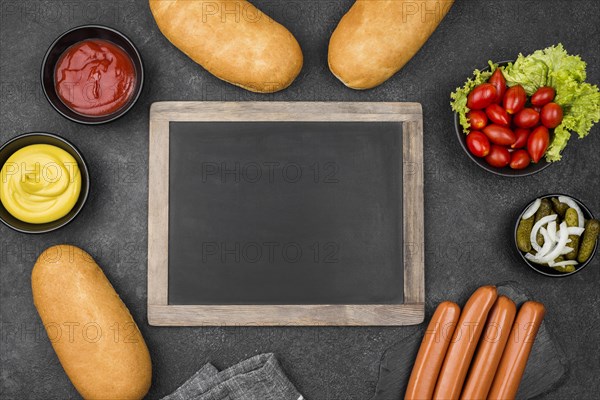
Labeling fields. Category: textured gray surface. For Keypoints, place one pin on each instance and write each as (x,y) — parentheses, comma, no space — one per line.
(469,213)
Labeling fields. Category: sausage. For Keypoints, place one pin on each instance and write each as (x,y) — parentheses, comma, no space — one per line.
(432,351)
(492,344)
(514,359)
(464,341)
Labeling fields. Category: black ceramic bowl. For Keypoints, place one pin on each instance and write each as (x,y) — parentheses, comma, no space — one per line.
(506,171)
(10,147)
(76,35)
(544,270)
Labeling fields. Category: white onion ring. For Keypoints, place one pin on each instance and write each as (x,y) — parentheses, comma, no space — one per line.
(573,230)
(560,246)
(552,231)
(532,209)
(571,203)
(566,250)
(564,263)
(532,258)
(548,243)
(536,228)
(555,252)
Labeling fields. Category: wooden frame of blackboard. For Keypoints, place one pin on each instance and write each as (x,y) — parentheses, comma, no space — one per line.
(411,311)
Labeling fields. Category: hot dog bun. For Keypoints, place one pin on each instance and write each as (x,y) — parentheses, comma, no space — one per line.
(232,40)
(515,356)
(95,338)
(464,341)
(432,352)
(376,38)
(489,352)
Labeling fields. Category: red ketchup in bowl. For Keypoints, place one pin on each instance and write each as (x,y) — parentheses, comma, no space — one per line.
(95,77)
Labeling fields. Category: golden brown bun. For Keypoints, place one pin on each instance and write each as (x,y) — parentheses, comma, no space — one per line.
(233,40)
(95,338)
(376,38)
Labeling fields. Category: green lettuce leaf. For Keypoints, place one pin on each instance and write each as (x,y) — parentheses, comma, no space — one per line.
(581,111)
(531,73)
(552,66)
(566,73)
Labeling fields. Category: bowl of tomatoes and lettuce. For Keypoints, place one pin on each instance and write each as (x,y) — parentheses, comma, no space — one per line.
(514,118)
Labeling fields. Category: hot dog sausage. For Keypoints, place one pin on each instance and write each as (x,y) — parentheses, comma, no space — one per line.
(514,359)
(492,343)
(432,351)
(464,341)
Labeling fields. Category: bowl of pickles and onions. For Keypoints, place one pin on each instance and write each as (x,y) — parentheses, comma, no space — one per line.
(556,235)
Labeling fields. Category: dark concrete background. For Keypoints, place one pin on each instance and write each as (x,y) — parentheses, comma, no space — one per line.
(469,213)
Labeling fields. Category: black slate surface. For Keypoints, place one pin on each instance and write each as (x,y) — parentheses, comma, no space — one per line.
(468,218)
(285,213)
(546,367)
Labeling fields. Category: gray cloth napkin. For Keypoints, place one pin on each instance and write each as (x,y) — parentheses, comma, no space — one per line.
(258,378)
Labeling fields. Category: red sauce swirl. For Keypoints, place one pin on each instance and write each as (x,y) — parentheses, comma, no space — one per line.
(94,77)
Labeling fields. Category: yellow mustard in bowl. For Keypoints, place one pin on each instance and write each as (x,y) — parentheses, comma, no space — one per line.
(40,183)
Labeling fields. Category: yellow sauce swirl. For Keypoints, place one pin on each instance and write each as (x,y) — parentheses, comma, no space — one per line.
(40,183)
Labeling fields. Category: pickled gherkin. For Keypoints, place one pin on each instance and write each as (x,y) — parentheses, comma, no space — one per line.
(588,242)
(523,233)
(566,268)
(572,219)
(559,208)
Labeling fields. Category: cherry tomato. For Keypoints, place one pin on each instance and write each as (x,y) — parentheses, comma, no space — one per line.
(514,99)
(537,108)
(537,143)
(519,159)
(526,118)
(521,134)
(497,79)
(498,157)
(497,115)
(477,119)
(552,115)
(499,134)
(482,96)
(542,96)
(478,144)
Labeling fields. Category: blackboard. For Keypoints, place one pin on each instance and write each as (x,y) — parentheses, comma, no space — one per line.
(285,213)
(281,219)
